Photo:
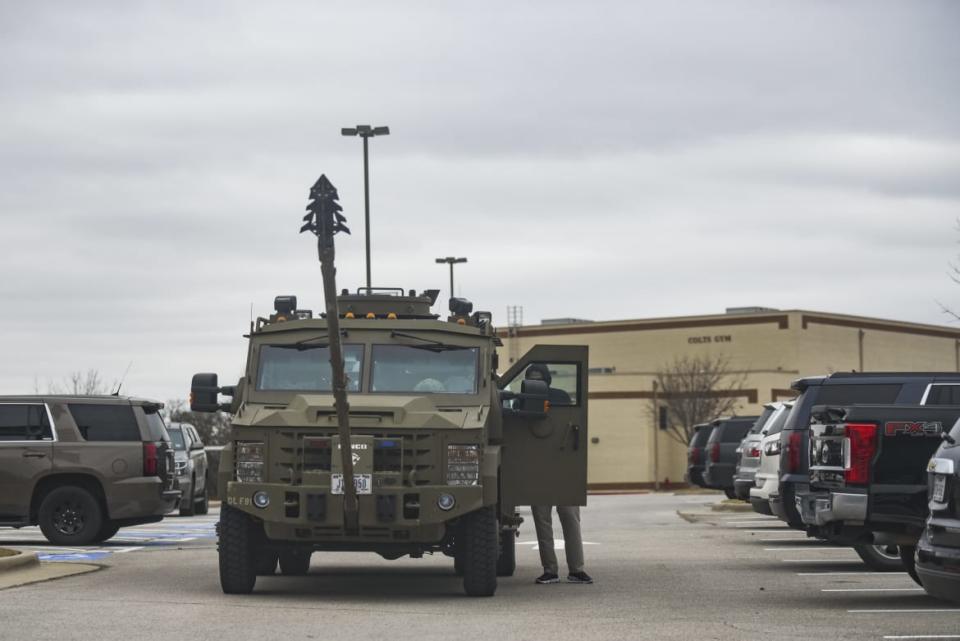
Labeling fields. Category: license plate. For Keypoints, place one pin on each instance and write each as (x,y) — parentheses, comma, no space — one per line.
(939,488)
(363,483)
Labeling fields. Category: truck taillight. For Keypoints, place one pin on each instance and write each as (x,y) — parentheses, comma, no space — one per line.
(794,446)
(861,446)
(695,456)
(715,452)
(754,452)
(150,461)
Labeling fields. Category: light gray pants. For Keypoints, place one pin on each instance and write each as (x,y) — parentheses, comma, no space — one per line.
(572,541)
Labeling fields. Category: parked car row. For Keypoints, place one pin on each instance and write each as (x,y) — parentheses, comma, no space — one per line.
(870,460)
(82,467)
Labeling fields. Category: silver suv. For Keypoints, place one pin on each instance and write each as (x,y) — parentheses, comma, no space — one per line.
(191,468)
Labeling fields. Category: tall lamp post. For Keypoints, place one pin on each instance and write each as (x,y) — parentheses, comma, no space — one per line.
(366,132)
(450,260)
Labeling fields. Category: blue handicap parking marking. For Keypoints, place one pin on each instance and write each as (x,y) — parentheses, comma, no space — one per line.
(74,556)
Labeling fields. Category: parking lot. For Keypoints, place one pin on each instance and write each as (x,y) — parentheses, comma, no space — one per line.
(667,567)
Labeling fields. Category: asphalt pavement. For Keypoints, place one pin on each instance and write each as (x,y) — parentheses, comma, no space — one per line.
(666,567)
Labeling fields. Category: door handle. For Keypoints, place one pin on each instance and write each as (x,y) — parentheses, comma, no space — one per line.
(34,455)
(576,437)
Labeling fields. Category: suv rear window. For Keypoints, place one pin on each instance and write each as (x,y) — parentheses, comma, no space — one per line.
(700,436)
(105,422)
(155,424)
(943,395)
(777,425)
(761,421)
(24,423)
(734,432)
(861,394)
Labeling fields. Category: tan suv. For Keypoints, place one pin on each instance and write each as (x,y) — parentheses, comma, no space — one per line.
(82,467)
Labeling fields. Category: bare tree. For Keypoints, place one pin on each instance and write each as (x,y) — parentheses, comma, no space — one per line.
(694,390)
(214,428)
(83,383)
(954,274)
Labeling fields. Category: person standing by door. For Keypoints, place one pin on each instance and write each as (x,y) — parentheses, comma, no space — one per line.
(569,514)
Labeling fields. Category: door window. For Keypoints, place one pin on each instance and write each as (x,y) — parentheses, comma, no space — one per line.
(24,423)
(940,394)
(563,379)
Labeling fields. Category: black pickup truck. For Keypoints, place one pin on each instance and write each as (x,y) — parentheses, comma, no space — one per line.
(868,474)
(938,551)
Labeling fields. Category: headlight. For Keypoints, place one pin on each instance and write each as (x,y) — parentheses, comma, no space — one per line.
(463,464)
(249,461)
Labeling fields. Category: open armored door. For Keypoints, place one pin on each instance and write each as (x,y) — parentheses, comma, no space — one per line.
(544,459)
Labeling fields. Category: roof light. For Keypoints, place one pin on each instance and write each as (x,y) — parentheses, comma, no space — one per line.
(392,316)
(461,321)
(349,315)
(371,315)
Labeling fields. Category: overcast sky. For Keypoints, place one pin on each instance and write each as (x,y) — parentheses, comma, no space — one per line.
(602,160)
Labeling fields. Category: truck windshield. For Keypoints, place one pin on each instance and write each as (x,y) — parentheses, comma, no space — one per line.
(305,368)
(407,369)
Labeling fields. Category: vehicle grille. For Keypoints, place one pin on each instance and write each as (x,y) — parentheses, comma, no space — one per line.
(403,460)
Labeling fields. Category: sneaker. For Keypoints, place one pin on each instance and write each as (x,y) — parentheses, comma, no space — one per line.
(579,577)
(548,577)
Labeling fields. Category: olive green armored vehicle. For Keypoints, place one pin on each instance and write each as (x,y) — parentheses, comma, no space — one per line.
(380,426)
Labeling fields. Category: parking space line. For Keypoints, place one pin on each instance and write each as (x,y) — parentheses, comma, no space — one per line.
(804,548)
(922,636)
(850,560)
(872,590)
(904,611)
(876,574)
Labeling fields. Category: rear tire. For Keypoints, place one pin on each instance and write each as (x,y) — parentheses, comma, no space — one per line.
(480,552)
(507,561)
(70,515)
(188,504)
(880,558)
(295,562)
(908,555)
(240,538)
(203,505)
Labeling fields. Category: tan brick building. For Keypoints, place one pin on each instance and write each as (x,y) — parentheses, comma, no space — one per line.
(771,347)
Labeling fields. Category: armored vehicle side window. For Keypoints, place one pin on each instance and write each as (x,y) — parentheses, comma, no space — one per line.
(285,368)
(24,423)
(105,422)
(563,381)
(943,395)
(403,369)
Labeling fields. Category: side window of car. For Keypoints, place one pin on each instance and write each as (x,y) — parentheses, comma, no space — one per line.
(105,422)
(26,422)
(943,394)
(197,441)
(563,380)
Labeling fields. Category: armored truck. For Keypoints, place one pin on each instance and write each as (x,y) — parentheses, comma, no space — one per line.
(442,448)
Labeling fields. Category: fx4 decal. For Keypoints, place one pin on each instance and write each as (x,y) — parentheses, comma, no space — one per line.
(913,428)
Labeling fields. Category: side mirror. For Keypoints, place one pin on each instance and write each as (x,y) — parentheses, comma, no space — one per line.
(534,397)
(203,393)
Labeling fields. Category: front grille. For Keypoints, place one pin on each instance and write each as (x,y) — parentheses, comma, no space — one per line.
(399,459)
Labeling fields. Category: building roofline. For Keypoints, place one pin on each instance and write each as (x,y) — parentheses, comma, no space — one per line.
(781,318)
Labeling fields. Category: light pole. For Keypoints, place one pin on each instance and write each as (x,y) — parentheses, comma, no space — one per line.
(450,260)
(366,132)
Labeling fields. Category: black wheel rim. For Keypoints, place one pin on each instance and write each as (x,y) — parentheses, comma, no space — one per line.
(69,518)
(891,552)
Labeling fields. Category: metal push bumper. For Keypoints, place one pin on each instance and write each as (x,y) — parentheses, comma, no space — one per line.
(821,508)
(293,510)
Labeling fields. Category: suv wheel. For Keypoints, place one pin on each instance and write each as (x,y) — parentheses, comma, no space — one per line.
(70,516)
(203,503)
(507,561)
(295,562)
(237,547)
(480,552)
(880,558)
(188,504)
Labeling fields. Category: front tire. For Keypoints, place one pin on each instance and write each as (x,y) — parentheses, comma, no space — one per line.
(507,561)
(240,537)
(70,516)
(295,562)
(880,558)
(203,504)
(188,504)
(107,531)
(480,552)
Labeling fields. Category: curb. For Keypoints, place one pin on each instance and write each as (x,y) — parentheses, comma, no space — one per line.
(19,560)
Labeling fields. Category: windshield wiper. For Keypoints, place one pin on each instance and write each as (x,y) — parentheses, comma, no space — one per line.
(429,343)
(307,343)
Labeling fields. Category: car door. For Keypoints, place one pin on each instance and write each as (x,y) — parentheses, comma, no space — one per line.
(544,459)
(26,455)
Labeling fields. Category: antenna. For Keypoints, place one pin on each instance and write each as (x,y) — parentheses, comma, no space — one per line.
(122,379)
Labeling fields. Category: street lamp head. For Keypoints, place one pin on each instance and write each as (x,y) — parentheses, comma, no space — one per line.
(381,131)
(459,260)
(364,130)
(348,131)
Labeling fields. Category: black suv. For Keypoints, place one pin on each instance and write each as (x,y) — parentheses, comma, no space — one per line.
(695,454)
(721,452)
(841,389)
